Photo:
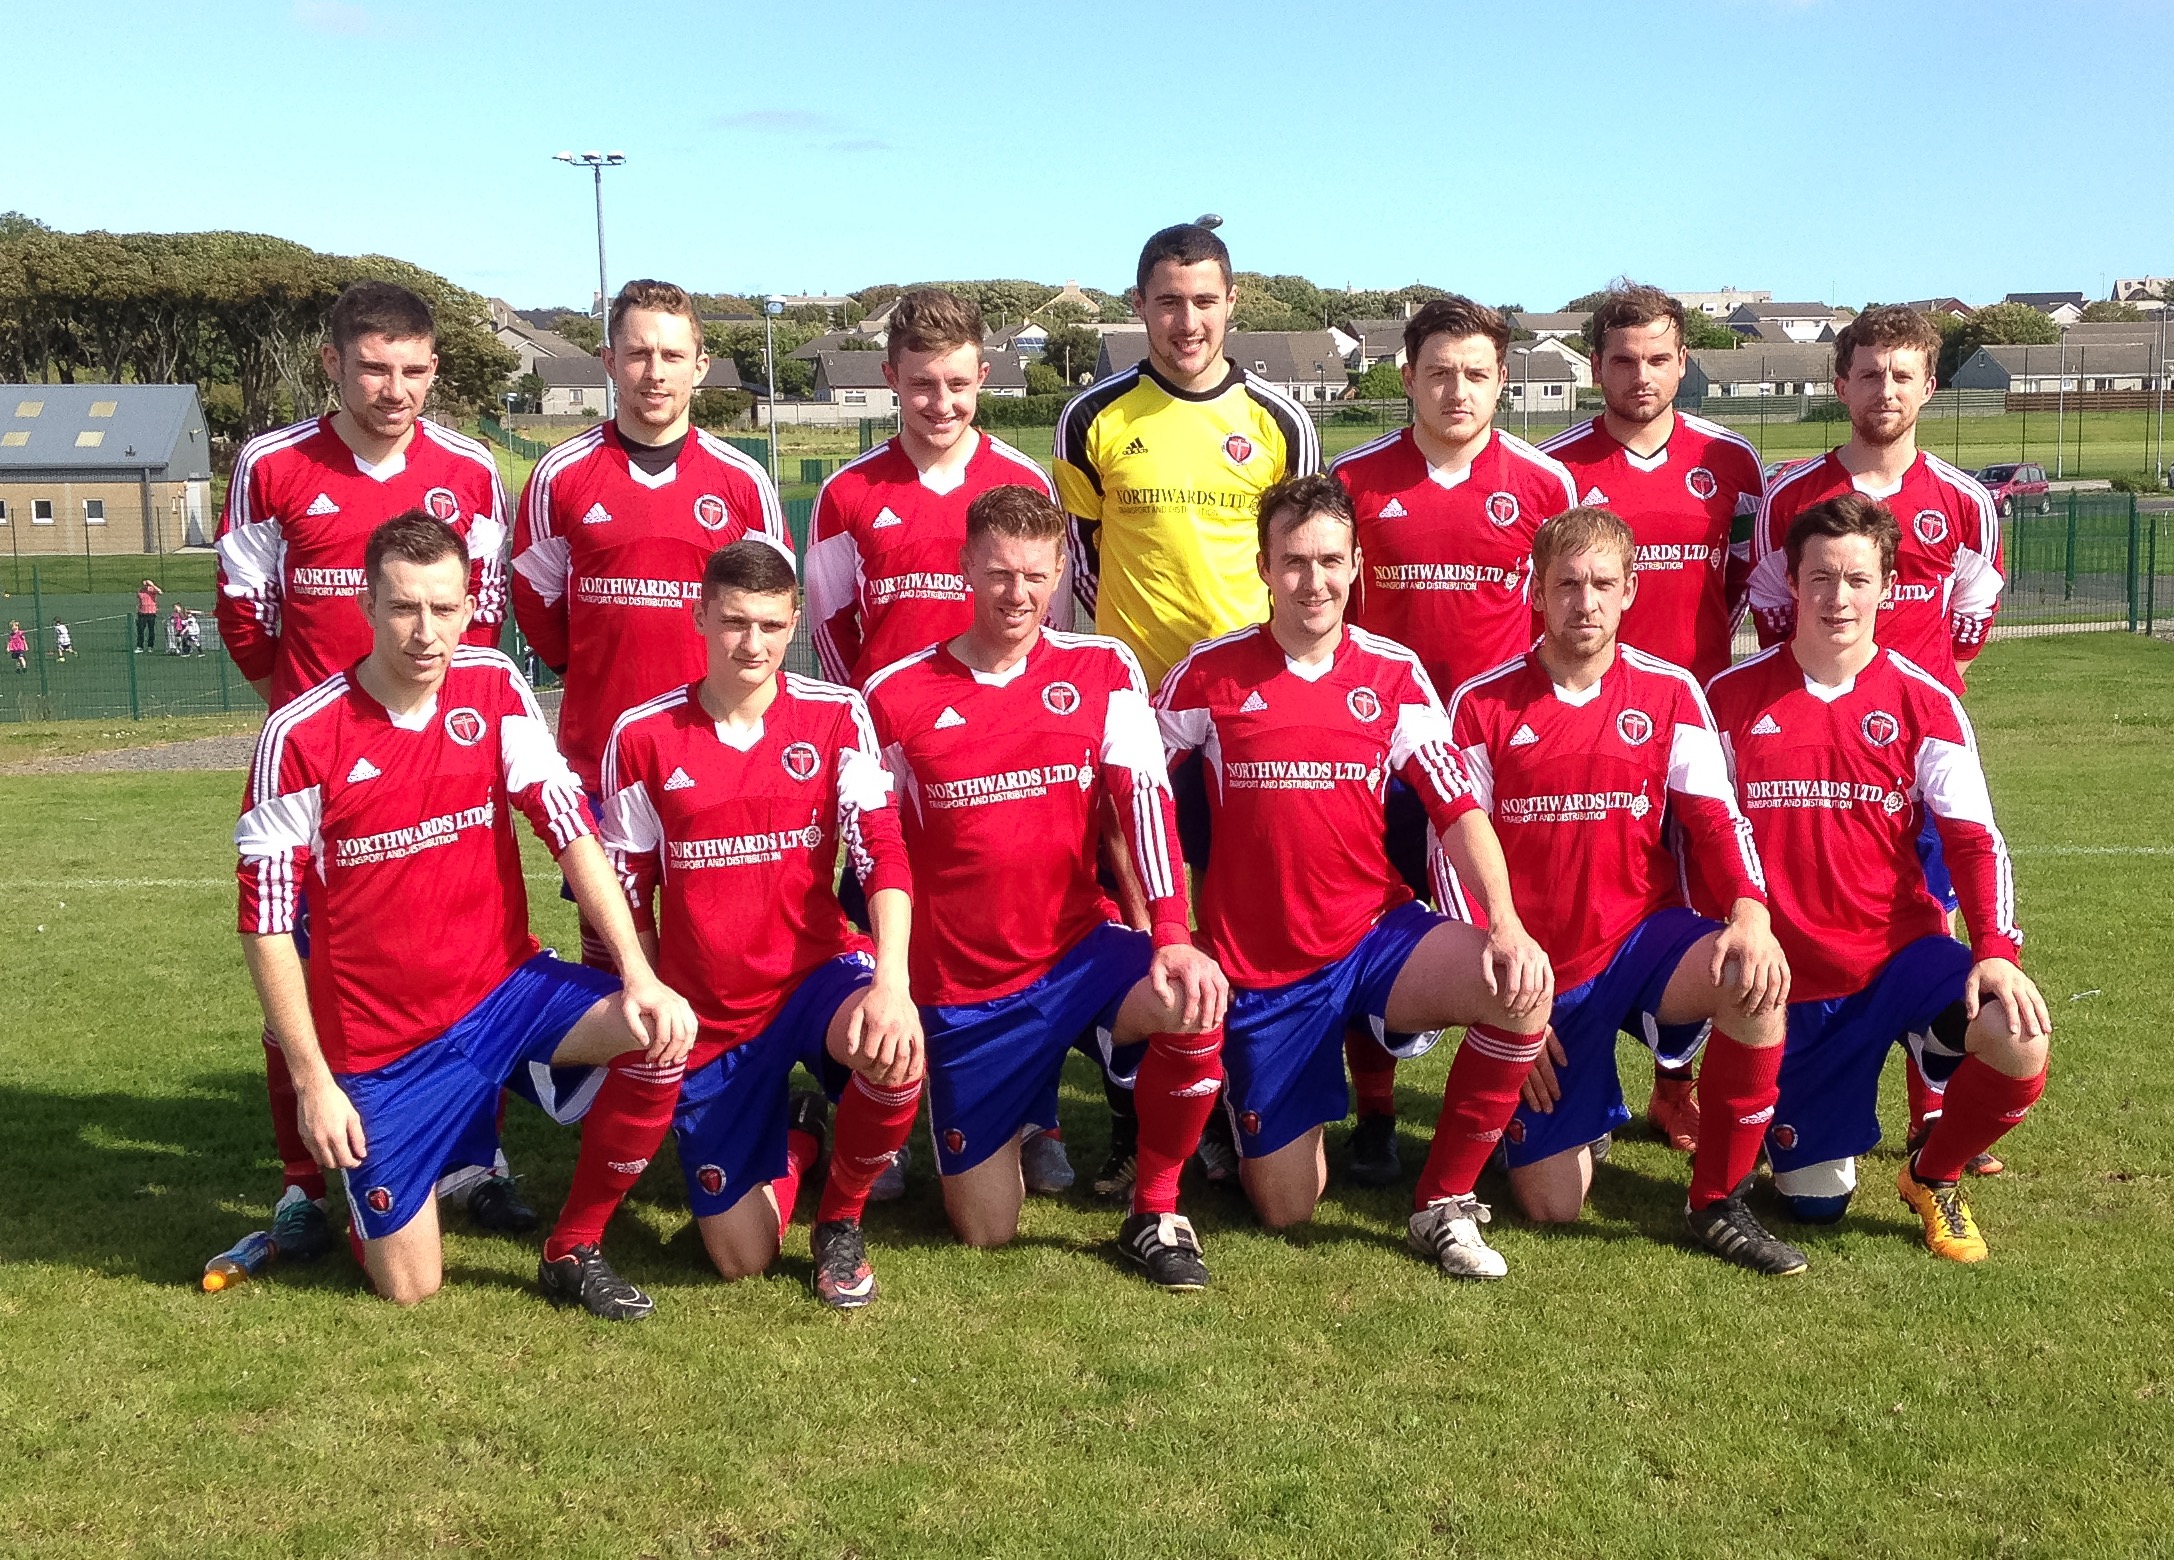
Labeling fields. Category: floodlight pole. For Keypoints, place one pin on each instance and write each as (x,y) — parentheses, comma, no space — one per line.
(2060,411)
(596,163)
(1524,390)
(2158,459)
(772,307)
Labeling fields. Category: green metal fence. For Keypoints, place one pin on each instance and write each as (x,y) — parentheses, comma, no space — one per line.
(2092,563)
(535,449)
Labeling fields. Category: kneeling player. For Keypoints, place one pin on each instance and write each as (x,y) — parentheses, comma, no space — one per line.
(1841,749)
(1302,721)
(1006,741)
(388,791)
(1579,749)
(731,796)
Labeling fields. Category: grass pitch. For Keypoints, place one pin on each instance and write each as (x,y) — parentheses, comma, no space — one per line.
(1330,1395)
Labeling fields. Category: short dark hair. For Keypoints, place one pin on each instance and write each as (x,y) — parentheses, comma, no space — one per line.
(1849,514)
(932,319)
(1627,305)
(752,566)
(373,308)
(1015,511)
(656,297)
(1295,500)
(414,537)
(1459,316)
(1188,243)
(1887,325)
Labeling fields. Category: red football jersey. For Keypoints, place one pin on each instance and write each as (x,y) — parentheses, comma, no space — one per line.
(1947,569)
(883,554)
(1579,785)
(1298,761)
(1003,778)
(402,831)
(607,566)
(1448,558)
(1836,783)
(1682,503)
(743,843)
(299,513)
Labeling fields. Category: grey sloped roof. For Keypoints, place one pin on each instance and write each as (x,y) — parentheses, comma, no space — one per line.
(1758,362)
(2092,359)
(88,428)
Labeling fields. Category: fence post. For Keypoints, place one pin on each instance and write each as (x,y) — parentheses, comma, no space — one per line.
(2151,580)
(226,702)
(37,642)
(135,703)
(2136,552)
(2068,572)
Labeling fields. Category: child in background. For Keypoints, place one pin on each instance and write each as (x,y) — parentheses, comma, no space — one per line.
(18,648)
(63,642)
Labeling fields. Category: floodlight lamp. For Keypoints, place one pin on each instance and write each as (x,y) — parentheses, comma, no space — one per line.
(1208,220)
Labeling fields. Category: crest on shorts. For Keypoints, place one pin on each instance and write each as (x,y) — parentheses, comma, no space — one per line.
(440,504)
(1502,508)
(1239,448)
(1249,1122)
(954,1141)
(1060,698)
(1634,727)
(1515,1131)
(801,761)
(464,726)
(1931,526)
(711,1179)
(379,1198)
(1784,1136)
(1880,728)
(710,513)
(1702,483)
(1364,704)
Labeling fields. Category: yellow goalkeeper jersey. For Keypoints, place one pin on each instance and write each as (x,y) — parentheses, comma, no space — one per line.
(1162,486)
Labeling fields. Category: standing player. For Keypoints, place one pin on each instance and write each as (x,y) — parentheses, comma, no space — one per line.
(1947,580)
(1008,741)
(1447,510)
(728,799)
(1301,721)
(389,791)
(1689,490)
(883,549)
(1841,747)
(1161,467)
(1583,750)
(300,510)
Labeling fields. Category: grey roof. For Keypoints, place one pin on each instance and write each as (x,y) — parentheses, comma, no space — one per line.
(1377,331)
(80,429)
(1749,312)
(1572,322)
(2045,300)
(1759,363)
(1006,372)
(851,370)
(815,346)
(2045,359)
(1283,356)
(1004,336)
(1939,306)
(2092,333)
(1536,365)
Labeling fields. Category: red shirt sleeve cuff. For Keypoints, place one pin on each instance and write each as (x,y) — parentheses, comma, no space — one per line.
(1169,934)
(1996,947)
(890,874)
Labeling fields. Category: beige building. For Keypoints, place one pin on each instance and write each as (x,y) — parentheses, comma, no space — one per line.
(103,469)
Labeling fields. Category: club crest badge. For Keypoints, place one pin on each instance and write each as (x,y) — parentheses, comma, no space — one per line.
(379,1198)
(1249,1122)
(1702,483)
(1239,448)
(1060,698)
(464,726)
(801,761)
(1931,527)
(1502,508)
(440,504)
(1635,727)
(1880,728)
(711,1179)
(710,512)
(1364,704)
(1784,1136)
(954,1141)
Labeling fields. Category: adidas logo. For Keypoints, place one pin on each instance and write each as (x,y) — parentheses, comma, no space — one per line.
(885,520)
(949,718)
(1767,727)
(1524,736)
(322,505)
(1593,495)
(680,781)
(1393,510)
(1253,702)
(597,515)
(363,770)
(1138,446)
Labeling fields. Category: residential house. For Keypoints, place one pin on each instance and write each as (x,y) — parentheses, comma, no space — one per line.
(1568,350)
(2146,292)
(1954,306)
(1304,364)
(1721,304)
(1760,370)
(1554,327)
(575,386)
(1780,323)
(2063,308)
(1367,342)
(1025,340)
(103,468)
(2045,369)
(1538,379)
(519,331)
(853,382)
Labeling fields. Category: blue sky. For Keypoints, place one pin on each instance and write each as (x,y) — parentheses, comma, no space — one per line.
(1523,153)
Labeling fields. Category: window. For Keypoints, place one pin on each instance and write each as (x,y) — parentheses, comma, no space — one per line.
(103,408)
(29,408)
(94,511)
(3,511)
(1260,365)
(41,511)
(854,397)
(90,438)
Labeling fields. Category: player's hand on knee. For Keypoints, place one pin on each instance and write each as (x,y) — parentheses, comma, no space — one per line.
(1191,985)
(1516,968)
(1542,1088)
(1748,962)
(883,1034)
(660,1019)
(333,1127)
(2021,1004)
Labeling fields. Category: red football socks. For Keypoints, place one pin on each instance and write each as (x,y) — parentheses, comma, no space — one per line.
(1925,1099)
(1175,1092)
(873,1124)
(1373,1073)
(1738,1085)
(1477,1102)
(620,1135)
(802,1150)
(1983,1106)
(296,1166)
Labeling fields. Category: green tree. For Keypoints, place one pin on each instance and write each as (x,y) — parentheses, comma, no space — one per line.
(721,408)
(2107,312)
(1997,324)
(1044,380)
(1072,350)
(585,331)
(1382,381)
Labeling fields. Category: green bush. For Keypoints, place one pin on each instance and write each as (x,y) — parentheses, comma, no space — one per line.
(1020,411)
(2137,482)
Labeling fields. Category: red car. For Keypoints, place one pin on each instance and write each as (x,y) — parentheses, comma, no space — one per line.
(2018,487)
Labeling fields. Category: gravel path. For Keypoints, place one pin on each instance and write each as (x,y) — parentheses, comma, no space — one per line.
(230,752)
